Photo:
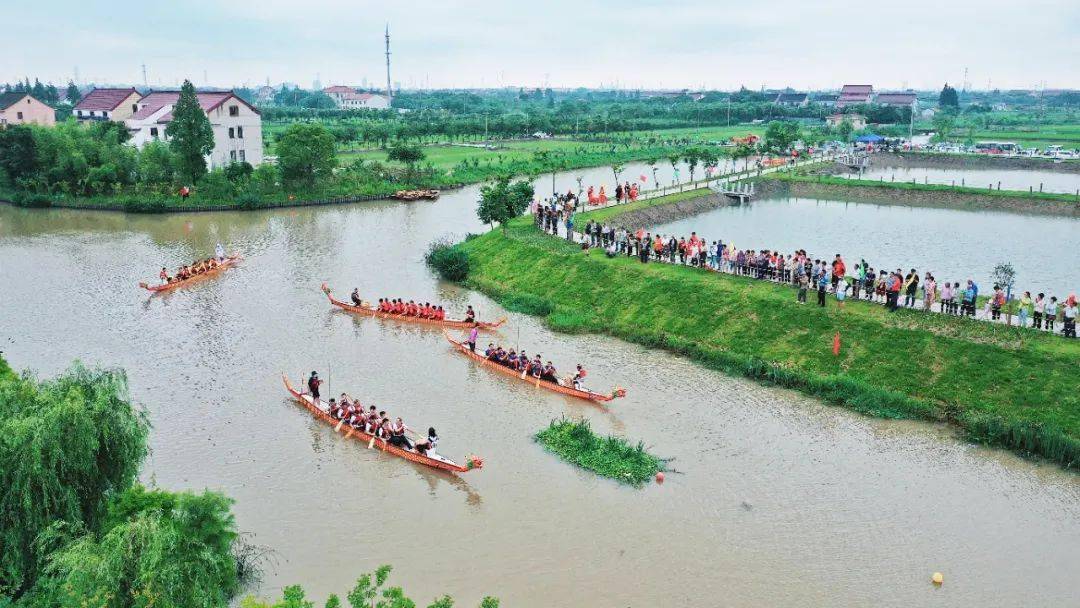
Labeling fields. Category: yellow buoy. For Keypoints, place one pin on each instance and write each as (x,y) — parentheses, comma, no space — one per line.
(937,578)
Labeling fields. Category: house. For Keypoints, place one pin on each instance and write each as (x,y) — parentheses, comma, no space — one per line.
(264,94)
(237,125)
(898,100)
(851,94)
(797,100)
(347,98)
(824,99)
(23,109)
(107,104)
(858,121)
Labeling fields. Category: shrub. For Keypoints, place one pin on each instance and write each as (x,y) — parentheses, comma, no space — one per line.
(450,261)
(32,200)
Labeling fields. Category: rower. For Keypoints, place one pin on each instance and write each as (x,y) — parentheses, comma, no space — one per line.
(470,316)
(440,314)
(336,412)
(332,406)
(537,367)
(371,421)
(489,352)
(383,431)
(356,297)
(164,276)
(313,386)
(549,373)
(424,447)
(512,360)
(219,251)
(579,377)
(397,435)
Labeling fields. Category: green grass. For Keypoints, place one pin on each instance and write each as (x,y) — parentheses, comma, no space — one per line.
(1002,385)
(1065,135)
(610,456)
(871,183)
(446,157)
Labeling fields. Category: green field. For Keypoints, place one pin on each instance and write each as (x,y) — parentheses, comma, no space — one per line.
(446,157)
(906,364)
(1040,136)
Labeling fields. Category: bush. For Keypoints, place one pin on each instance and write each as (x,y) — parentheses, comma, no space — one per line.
(145,206)
(528,304)
(450,261)
(28,199)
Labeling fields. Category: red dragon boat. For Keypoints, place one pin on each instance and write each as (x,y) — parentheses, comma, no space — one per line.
(433,460)
(372,312)
(463,348)
(229,262)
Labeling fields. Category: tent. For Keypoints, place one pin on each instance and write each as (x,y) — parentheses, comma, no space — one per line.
(869,139)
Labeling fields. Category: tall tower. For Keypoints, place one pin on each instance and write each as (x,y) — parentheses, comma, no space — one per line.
(389,89)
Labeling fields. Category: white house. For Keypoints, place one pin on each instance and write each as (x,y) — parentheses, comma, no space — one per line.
(237,125)
(347,98)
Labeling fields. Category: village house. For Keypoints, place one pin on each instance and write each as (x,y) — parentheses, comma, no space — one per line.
(827,100)
(905,99)
(858,121)
(107,104)
(24,109)
(795,100)
(347,98)
(237,125)
(852,94)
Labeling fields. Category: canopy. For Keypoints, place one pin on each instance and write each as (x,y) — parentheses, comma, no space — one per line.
(869,139)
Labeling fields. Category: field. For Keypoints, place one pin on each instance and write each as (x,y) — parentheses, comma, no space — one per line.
(1039,136)
(446,157)
(905,364)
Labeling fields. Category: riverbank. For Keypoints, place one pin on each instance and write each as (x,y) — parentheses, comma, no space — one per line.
(652,211)
(895,365)
(808,185)
(463,174)
(943,160)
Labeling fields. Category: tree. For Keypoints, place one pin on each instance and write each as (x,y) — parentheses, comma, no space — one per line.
(190,136)
(155,548)
(18,152)
(617,169)
(780,135)
(948,97)
(502,201)
(844,130)
(693,156)
(943,123)
(409,154)
(52,471)
(306,153)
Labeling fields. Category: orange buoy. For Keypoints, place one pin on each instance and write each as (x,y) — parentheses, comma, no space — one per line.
(937,578)
(659,477)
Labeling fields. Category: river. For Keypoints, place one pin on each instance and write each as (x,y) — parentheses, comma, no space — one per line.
(779,500)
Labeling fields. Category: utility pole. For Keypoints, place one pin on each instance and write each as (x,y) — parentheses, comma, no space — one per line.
(145,84)
(389,89)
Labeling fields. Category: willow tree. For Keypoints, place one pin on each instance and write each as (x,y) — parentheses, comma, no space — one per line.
(68,445)
(155,548)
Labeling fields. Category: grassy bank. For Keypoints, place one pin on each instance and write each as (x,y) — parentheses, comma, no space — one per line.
(909,186)
(1001,385)
(612,457)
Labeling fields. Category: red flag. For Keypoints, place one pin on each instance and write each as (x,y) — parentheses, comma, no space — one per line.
(836,344)
(643,179)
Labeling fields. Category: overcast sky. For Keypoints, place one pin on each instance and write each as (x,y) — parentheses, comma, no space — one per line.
(563,43)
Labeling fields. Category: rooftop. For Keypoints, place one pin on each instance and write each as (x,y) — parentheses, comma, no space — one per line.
(104,99)
(156,100)
(9,99)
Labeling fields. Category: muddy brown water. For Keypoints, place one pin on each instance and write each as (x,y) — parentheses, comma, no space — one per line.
(778,500)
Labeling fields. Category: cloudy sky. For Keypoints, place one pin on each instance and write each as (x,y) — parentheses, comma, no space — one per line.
(563,43)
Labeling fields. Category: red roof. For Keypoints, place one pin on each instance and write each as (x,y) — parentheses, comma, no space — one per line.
(104,99)
(338,89)
(857,89)
(152,103)
(897,98)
